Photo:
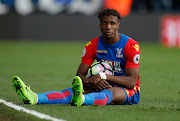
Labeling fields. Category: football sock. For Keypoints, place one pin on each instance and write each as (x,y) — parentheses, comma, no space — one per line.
(100,98)
(55,97)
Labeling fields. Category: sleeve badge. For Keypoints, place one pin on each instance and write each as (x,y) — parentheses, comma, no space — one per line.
(84,52)
(136,58)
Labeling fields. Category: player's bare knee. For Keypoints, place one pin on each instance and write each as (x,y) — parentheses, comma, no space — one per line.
(118,95)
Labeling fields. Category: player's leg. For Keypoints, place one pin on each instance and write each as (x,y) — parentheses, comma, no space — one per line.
(100,98)
(29,97)
(55,97)
(123,96)
(115,95)
(119,95)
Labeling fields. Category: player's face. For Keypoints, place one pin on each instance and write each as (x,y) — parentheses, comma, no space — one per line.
(109,26)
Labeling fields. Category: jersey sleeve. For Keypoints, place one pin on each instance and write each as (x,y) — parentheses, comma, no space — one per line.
(89,52)
(132,54)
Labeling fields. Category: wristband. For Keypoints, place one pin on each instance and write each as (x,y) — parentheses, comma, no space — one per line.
(103,76)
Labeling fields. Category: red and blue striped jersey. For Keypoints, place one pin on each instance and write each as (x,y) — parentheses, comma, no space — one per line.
(123,54)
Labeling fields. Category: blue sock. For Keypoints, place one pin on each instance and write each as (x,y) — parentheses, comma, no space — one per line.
(100,98)
(56,97)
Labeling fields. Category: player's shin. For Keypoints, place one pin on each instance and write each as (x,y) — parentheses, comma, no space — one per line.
(55,97)
(98,98)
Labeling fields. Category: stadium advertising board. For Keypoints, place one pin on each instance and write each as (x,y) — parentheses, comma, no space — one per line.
(170,31)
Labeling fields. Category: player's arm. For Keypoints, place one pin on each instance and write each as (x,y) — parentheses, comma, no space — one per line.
(132,56)
(88,56)
(81,72)
(128,81)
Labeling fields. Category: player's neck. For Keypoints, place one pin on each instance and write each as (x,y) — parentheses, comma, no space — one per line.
(113,40)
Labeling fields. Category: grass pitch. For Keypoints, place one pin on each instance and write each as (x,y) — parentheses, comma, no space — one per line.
(50,66)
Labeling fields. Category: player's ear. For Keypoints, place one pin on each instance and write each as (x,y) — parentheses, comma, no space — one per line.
(118,25)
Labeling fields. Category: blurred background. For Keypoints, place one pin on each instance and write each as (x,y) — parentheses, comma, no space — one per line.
(156,21)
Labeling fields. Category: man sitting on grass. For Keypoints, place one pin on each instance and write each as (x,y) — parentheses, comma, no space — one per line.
(122,88)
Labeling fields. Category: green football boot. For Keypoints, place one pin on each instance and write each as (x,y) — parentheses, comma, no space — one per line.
(26,94)
(77,87)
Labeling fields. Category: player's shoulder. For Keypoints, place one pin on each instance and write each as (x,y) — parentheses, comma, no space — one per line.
(93,41)
(131,43)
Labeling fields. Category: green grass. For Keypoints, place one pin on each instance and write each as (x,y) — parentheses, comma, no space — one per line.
(50,66)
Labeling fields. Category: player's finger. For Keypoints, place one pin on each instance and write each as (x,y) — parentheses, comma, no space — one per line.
(98,87)
(101,84)
(106,84)
(109,86)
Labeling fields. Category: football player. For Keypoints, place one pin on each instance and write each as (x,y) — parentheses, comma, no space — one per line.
(122,88)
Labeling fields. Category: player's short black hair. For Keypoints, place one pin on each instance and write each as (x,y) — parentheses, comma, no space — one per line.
(109,12)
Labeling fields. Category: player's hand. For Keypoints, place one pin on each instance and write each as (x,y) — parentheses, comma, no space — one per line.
(94,80)
(103,84)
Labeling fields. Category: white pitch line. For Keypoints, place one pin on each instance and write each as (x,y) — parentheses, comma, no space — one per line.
(32,112)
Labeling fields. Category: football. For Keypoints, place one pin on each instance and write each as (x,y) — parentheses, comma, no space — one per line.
(100,67)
